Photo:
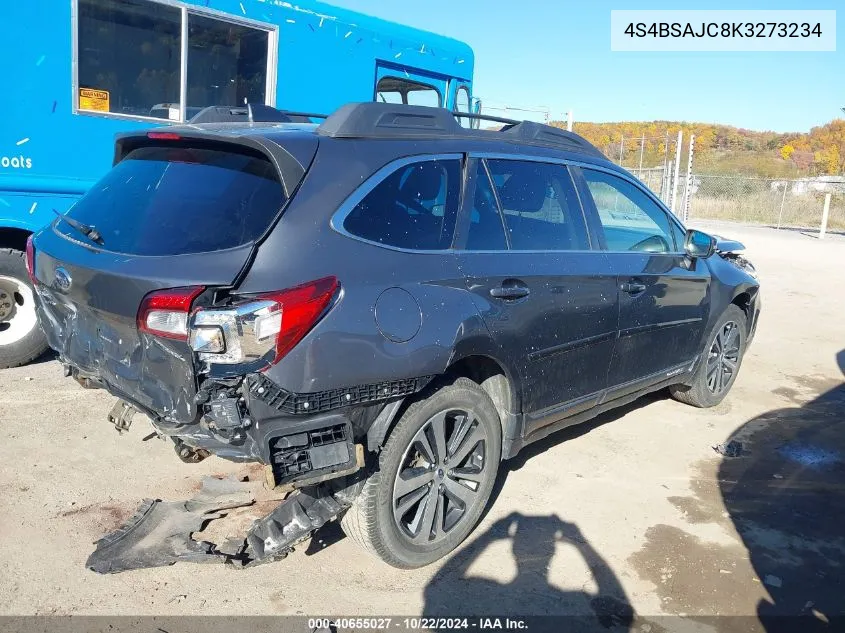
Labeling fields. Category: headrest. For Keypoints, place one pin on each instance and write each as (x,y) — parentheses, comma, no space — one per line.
(523,192)
(424,181)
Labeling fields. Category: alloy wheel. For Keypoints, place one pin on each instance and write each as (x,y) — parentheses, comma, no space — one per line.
(440,475)
(723,358)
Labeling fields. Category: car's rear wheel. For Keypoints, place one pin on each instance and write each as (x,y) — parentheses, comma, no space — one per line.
(719,364)
(435,476)
(21,338)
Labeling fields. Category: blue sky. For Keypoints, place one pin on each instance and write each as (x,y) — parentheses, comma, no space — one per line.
(541,52)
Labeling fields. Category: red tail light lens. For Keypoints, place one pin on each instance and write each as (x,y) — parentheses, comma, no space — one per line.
(30,259)
(261,329)
(301,308)
(165,312)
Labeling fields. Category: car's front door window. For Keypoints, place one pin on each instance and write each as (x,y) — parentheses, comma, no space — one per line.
(631,220)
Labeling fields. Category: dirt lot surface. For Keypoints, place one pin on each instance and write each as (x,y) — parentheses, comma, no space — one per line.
(635,508)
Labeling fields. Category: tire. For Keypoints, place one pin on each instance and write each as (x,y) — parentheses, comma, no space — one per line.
(21,338)
(371,521)
(700,392)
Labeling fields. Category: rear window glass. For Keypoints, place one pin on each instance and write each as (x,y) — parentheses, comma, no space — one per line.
(174,200)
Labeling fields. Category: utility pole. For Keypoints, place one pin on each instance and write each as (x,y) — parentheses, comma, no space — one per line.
(569,120)
(677,172)
(621,149)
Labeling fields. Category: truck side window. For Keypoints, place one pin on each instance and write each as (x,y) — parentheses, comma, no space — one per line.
(129,57)
(398,90)
(227,63)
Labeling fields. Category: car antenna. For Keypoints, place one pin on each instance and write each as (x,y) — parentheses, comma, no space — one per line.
(87,230)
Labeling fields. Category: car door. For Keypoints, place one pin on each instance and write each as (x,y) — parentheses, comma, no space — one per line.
(663,295)
(548,300)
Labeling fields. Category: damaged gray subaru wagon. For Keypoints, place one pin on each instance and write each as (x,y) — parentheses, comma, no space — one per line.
(381,308)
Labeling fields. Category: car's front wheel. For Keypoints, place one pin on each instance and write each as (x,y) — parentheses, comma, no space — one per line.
(21,338)
(719,363)
(435,476)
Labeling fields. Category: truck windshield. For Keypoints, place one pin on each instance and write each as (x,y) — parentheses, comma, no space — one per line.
(175,200)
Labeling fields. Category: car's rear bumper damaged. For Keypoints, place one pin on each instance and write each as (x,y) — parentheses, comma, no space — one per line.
(310,447)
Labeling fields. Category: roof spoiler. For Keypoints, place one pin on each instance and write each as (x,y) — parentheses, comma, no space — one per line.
(390,120)
(252,113)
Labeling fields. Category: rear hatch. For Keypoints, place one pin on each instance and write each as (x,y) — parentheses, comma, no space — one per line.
(174,213)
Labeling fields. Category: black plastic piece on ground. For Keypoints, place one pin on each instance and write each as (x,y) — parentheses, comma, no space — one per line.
(294,520)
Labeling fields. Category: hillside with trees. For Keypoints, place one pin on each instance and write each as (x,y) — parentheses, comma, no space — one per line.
(723,149)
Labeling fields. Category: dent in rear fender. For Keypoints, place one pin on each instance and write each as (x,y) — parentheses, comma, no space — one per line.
(346,348)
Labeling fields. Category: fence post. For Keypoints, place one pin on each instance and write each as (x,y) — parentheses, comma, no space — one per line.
(642,149)
(825,214)
(688,186)
(672,207)
(782,200)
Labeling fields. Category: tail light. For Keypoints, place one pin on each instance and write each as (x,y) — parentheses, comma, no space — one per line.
(30,259)
(165,312)
(264,328)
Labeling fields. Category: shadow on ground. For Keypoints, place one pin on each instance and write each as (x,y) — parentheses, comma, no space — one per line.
(533,539)
(786,498)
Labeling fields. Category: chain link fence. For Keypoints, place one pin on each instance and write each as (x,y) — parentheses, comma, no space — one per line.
(778,202)
(772,202)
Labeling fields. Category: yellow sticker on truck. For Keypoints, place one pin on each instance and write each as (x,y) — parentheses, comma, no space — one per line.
(97,100)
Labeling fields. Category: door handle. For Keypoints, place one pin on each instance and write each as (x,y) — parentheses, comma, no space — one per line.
(509,293)
(632,287)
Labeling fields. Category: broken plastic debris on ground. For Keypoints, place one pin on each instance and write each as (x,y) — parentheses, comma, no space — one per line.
(162,533)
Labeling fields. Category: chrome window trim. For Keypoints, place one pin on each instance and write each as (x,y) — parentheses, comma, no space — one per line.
(338,218)
(185,10)
(346,207)
(594,166)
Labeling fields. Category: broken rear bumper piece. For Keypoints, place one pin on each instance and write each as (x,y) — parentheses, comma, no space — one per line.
(161,533)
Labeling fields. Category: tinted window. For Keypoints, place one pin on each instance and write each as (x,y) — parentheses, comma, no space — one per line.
(540,206)
(632,221)
(129,57)
(227,63)
(167,201)
(486,232)
(399,90)
(414,207)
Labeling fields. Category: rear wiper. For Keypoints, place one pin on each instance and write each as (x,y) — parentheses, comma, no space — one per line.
(87,230)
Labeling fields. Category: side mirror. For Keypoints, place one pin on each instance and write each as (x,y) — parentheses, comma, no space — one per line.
(699,244)
(475,108)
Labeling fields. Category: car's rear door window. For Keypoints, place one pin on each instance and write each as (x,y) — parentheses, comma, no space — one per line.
(176,200)
(540,206)
(414,207)
(631,220)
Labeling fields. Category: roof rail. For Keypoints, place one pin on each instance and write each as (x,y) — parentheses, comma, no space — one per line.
(252,113)
(390,120)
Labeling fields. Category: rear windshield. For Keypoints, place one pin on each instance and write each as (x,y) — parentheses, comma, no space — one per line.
(175,200)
